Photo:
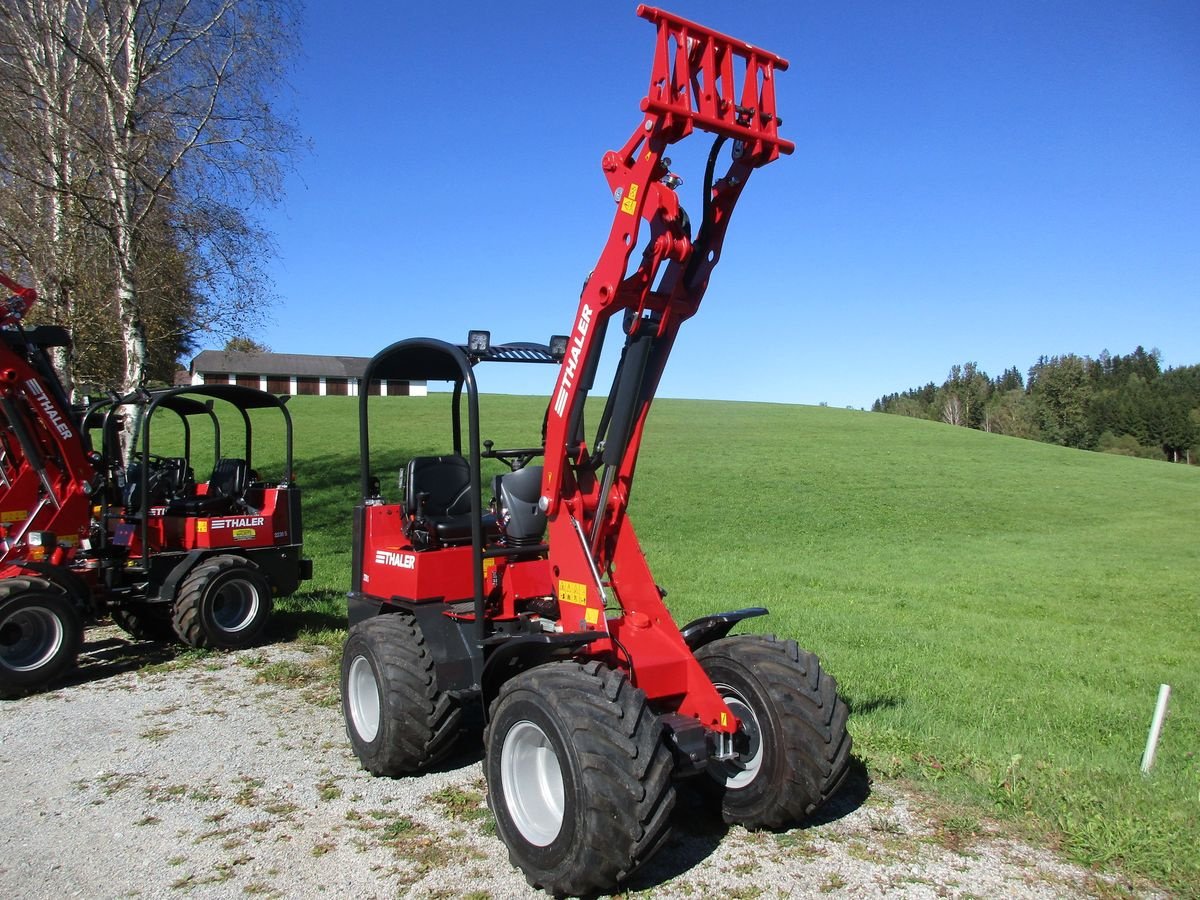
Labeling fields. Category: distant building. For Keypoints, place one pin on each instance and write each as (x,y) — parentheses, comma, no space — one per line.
(296,373)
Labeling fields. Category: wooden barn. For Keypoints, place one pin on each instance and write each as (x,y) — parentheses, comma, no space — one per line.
(296,373)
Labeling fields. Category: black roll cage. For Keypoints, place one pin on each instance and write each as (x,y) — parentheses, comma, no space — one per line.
(185,403)
(430,359)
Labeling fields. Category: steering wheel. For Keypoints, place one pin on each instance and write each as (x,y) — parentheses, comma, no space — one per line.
(514,459)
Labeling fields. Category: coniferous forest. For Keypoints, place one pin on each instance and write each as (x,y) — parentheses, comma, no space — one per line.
(1115,404)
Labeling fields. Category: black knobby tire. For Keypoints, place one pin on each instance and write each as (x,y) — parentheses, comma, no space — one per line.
(798,751)
(146,623)
(579,776)
(224,603)
(41,632)
(397,719)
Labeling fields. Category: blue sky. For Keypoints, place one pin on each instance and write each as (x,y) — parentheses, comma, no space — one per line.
(972,181)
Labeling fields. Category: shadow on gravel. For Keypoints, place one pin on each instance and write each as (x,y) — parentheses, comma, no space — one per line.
(107,651)
(104,655)
(698,828)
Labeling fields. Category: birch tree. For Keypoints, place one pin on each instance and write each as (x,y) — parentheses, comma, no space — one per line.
(166,113)
(43,90)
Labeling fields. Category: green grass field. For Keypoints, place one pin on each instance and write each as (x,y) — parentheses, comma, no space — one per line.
(999,613)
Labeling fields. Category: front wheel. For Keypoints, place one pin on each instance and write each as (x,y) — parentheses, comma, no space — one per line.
(579,777)
(398,720)
(223,603)
(41,632)
(793,749)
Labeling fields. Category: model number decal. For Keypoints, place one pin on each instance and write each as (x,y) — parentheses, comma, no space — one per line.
(392,558)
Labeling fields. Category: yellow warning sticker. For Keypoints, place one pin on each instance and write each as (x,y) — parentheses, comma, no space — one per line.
(244,534)
(201,526)
(724,719)
(629,204)
(572,592)
(591,615)
(12,515)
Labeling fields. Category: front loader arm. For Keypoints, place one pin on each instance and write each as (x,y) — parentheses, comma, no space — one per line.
(700,79)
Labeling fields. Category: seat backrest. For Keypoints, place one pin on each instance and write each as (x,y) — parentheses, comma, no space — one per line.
(518,494)
(175,476)
(446,480)
(229,478)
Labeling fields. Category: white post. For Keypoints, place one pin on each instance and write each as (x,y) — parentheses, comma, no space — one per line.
(1160,713)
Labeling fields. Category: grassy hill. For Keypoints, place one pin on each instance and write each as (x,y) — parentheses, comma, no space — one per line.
(998,613)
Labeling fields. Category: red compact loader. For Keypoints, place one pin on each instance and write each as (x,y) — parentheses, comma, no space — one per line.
(85,535)
(541,608)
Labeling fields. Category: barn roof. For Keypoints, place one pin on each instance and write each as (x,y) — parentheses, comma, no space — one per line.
(232,362)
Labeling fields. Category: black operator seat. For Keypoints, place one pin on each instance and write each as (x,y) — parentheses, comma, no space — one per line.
(437,489)
(166,479)
(226,487)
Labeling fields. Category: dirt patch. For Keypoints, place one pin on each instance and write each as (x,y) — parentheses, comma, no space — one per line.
(222,775)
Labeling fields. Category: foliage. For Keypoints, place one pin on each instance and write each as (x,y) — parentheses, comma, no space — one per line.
(1115,404)
(242,344)
(134,135)
(998,613)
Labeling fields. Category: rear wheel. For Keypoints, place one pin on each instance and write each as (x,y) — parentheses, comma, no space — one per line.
(223,603)
(41,632)
(146,623)
(579,777)
(793,747)
(397,719)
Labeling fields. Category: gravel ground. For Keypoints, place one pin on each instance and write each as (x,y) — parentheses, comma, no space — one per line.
(231,774)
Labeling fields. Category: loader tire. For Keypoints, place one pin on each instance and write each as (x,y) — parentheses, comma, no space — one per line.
(795,747)
(41,632)
(146,623)
(579,777)
(397,719)
(224,603)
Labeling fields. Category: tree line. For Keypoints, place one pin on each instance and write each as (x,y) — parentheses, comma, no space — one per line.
(1117,404)
(137,137)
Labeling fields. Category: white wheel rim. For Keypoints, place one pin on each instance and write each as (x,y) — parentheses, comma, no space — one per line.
(362,694)
(30,638)
(532,782)
(235,605)
(744,769)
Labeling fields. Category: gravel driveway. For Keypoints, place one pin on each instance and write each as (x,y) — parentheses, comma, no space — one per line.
(231,774)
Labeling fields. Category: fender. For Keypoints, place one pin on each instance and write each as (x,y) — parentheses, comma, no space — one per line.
(74,586)
(170,585)
(707,629)
(517,653)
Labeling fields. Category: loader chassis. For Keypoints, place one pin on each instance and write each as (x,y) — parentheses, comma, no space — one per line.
(540,609)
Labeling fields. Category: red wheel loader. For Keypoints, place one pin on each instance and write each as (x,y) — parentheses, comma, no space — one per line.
(86,535)
(539,607)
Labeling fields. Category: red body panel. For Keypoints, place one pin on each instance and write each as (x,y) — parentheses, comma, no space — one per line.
(265,525)
(393,569)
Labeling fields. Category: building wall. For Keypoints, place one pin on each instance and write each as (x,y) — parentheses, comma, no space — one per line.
(313,385)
